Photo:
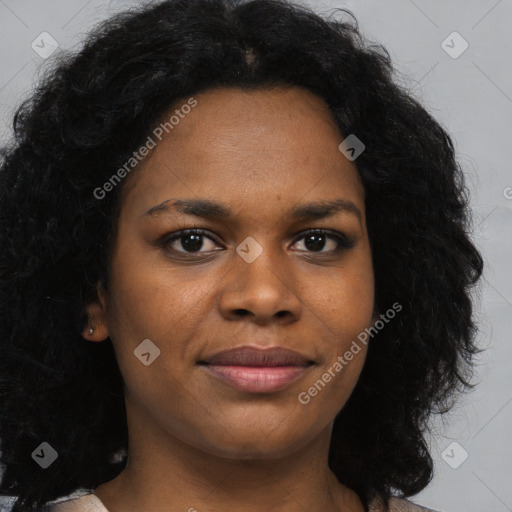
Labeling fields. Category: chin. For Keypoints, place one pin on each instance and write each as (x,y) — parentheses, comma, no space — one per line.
(257,445)
(251,452)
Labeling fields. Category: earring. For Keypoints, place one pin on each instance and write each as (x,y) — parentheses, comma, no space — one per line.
(91,330)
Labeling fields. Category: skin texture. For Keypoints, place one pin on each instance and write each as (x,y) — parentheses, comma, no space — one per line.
(194,441)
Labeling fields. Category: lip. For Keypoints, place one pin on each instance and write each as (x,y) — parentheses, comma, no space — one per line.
(257,370)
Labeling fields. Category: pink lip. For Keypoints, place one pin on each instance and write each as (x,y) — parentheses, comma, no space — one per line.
(257,379)
(257,356)
(257,370)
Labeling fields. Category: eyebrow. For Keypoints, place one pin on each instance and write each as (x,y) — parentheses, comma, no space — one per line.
(208,209)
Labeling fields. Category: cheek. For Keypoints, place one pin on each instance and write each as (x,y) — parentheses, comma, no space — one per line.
(355,302)
(344,304)
(144,296)
(150,302)
(343,309)
(344,313)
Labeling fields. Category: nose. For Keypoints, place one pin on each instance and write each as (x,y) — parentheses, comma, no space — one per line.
(263,291)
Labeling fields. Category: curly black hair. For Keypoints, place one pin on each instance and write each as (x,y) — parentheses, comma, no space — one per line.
(93,107)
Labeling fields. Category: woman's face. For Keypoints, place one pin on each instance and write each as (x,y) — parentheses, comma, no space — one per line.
(255,277)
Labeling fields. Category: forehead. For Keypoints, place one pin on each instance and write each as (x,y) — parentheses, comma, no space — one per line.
(240,144)
(233,115)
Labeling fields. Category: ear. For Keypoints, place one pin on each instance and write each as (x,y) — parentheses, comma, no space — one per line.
(97,317)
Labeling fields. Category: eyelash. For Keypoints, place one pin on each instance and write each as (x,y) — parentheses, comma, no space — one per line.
(343,242)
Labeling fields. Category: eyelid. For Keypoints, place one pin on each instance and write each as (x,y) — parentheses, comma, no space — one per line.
(343,241)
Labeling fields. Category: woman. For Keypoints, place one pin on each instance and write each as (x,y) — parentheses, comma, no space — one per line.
(235,270)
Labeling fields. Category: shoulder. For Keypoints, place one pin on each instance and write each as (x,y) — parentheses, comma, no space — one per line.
(399,505)
(83,503)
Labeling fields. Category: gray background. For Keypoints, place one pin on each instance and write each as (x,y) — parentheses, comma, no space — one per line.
(471,96)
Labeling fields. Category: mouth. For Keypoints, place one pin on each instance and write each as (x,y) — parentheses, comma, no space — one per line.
(257,370)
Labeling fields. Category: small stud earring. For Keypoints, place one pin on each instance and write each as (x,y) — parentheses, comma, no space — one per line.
(91,330)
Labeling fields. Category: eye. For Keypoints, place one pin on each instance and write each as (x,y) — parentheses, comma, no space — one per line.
(190,241)
(315,241)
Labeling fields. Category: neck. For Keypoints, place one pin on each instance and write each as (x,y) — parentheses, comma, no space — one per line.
(164,473)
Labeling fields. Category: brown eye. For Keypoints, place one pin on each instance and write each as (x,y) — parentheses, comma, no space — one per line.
(186,241)
(315,241)
(192,241)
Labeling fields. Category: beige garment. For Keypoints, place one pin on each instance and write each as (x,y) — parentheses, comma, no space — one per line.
(91,503)
(398,505)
